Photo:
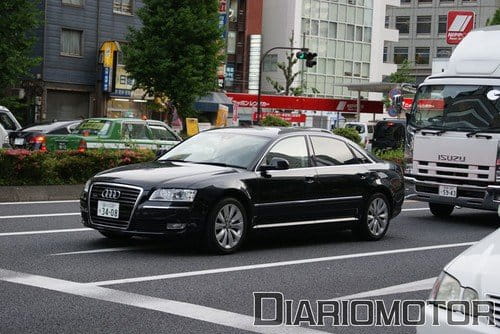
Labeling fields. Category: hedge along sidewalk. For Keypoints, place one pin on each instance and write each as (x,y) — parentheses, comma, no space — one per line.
(36,168)
(40,193)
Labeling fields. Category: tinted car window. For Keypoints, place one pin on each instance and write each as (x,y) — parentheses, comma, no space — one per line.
(162,133)
(134,131)
(390,130)
(6,122)
(293,149)
(370,128)
(331,152)
(358,127)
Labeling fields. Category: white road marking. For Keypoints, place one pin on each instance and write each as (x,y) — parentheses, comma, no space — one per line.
(422,285)
(276,264)
(42,215)
(103,250)
(69,230)
(39,202)
(182,309)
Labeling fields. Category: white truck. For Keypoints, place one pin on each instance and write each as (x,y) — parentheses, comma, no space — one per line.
(8,123)
(453,141)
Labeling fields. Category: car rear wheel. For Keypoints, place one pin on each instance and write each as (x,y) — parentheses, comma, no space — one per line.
(441,210)
(226,227)
(376,218)
(115,235)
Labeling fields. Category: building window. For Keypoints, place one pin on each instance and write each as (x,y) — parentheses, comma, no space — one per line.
(385,54)
(443,52)
(71,42)
(270,63)
(424,24)
(122,7)
(231,42)
(446,1)
(422,56)
(403,2)
(424,1)
(76,3)
(442,24)
(403,24)
(387,21)
(400,55)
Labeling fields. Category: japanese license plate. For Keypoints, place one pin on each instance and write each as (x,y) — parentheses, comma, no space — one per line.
(19,141)
(108,209)
(448,191)
(62,145)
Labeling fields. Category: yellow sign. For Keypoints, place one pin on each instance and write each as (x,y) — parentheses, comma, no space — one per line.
(222,114)
(108,51)
(192,126)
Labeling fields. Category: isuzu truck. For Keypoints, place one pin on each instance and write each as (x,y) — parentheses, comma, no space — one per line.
(452,150)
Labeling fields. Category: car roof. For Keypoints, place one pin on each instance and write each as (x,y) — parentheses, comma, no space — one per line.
(271,132)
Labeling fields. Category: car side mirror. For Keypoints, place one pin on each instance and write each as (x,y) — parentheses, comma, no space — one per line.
(276,164)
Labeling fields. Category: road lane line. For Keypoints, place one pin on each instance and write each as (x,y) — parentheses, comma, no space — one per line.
(422,285)
(40,202)
(182,309)
(103,250)
(42,215)
(276,264)
(69,230)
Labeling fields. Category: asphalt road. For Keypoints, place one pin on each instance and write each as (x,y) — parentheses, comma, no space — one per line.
(58,277)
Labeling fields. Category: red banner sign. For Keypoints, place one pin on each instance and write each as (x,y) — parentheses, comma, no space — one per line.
(292,118)
(460,23)
(305,103)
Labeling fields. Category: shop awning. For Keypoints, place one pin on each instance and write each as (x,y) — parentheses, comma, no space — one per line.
(210,103)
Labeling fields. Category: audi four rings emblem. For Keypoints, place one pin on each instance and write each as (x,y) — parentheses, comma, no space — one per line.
(110,194)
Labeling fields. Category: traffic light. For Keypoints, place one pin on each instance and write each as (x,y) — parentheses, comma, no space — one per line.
(311,59)
(302,55)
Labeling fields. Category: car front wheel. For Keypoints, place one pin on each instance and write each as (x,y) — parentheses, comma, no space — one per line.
(226,227)
(375,220)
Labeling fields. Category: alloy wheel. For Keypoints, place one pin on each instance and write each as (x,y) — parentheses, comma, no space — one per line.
(378,216)
(229,225)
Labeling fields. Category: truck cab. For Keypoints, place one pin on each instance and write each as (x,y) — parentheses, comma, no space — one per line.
(8,123)
(452,149)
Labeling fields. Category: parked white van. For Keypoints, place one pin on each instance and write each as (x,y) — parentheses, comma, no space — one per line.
(8,123)
(365,131)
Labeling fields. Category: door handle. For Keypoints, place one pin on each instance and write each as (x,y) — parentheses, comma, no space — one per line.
(310,179)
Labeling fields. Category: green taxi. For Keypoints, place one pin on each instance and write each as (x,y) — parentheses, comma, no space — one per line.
(116,133)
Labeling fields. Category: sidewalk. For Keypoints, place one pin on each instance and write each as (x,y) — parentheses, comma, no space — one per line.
(40,193)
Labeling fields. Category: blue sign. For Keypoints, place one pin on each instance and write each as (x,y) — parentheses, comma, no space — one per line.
(222,24)
(106,79)
(392,111)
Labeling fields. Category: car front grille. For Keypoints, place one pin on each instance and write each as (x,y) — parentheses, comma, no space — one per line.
(128,198)
(455,171)
(495,299)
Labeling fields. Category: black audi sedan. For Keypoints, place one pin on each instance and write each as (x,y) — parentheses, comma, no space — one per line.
(223,183)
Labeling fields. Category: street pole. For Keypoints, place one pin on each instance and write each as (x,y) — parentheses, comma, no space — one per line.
(261,68)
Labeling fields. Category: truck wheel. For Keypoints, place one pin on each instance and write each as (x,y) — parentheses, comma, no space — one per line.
(441,210)
(115,235)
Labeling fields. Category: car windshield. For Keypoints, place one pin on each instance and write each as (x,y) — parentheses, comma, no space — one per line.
(219,148)
(455,107)
(93,127)
(358,127)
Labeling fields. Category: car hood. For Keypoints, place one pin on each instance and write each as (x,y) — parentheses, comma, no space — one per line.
(156,174)
(477,267)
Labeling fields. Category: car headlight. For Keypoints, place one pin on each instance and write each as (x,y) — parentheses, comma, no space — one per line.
(86,187)
(173,195)
(448,288)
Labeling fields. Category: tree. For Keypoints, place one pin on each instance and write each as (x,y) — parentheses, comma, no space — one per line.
(290,76)
(495,20)
(176,53)
(403,74)
(19,20)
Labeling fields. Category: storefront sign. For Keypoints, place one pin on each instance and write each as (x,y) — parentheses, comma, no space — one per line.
(222,114)
(460,23)
(292,118)
(305,103)
(107,75)
(222,6)
(192,126)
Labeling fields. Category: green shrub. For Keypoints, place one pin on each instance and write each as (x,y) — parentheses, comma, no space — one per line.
(23,167)
(396,156)
(348,133)
(270,120)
